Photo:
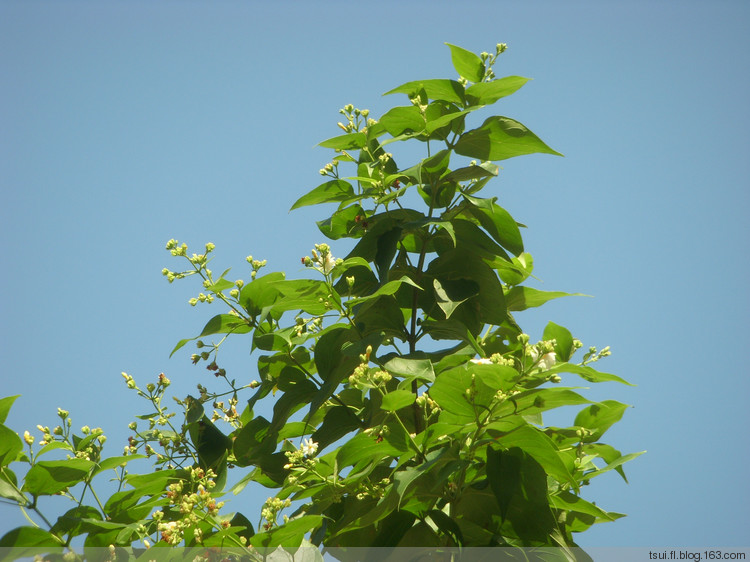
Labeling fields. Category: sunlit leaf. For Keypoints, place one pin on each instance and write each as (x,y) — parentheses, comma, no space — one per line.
(499,138)
(47,478)
(397,399)
(599,417)
(486,93)
(345,142)
(436,89)
(5,406)
(330,191)
(28,537)
(521,298)
(10,445)
(466,63)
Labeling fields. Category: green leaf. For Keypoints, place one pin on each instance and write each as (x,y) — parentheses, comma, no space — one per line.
(499,138)
(393,528)
(225,324)
(458,271)
(496,377)
(10,445)
(447,525)
(587,373)
(71,522)
(403,120)
(496,221)
(212,445)
(614,465)
(466,63)
(541,448)
(9,487)
(397,399)
(387,289)
(308,295)
(433,123)
(330,191)
(251,441)
(599,418)
(570,502)
(47,478)
(219,324)
(5,405)
(475,172)
(386,251)
(260,293)
(115,462)
(563,340)
(519,483)
(517,270)
(410,369)
(221,284)
(338,421)
(449,391)
(349,141)
(343,223)
(521,298)
(29,537)
(445,302)
(435,89)
(361,447)
(486,93)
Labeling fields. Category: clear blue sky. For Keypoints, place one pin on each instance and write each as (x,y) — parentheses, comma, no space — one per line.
(125,124)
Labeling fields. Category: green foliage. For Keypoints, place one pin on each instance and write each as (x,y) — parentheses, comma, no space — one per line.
(414,397)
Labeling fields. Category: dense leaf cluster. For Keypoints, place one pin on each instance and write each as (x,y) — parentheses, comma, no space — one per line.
(415,398)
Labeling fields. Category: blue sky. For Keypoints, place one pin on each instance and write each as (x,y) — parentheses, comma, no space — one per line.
(125,124)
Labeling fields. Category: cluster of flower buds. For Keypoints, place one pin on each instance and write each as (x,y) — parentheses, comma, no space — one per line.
(364,377)
(302,457)
(192,506)
(330,169)
(256,265)
(372,490)
(355,117)
(321,259)
(271,509)
(176,249)
(429,406)
(593,355)
(494,359)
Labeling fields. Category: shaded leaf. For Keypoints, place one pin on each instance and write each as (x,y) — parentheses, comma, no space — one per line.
(519,483)
(541,448)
